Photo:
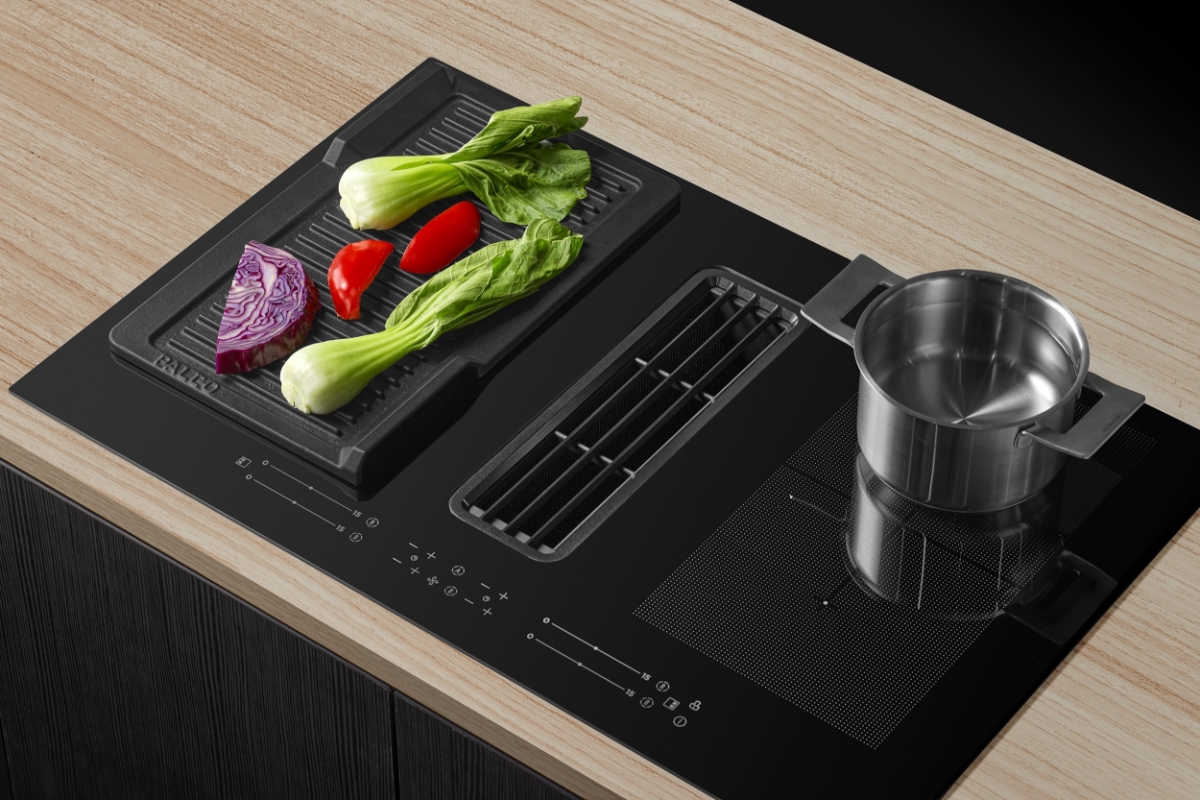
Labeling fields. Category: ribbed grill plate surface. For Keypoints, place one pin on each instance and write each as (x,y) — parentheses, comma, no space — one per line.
(173,336)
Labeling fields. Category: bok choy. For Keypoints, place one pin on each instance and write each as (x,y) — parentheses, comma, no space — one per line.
(505,165)
(325,376)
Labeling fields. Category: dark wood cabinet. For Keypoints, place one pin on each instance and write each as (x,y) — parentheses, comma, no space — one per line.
(127,675)
(124,674)
(5,783)
(439,761)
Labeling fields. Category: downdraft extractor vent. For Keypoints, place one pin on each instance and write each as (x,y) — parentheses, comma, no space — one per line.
(573,465)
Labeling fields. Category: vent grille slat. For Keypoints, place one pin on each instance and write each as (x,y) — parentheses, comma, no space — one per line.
(649,422)
(620,405)
(568,467)
(633,424)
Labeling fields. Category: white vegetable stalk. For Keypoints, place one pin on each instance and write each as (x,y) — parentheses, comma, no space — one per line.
(381,193)
(504,165)
(325,376)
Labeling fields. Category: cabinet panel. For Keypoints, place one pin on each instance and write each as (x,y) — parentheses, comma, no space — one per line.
(123,674)
(5,783)
(439,761)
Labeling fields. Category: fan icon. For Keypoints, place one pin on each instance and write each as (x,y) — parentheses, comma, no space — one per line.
(432,581)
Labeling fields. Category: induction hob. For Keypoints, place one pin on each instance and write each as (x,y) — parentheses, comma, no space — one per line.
(750,608)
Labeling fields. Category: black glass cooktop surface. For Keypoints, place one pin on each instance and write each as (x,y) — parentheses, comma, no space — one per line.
(746,604)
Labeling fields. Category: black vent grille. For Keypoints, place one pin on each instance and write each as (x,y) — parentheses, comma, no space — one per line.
(604,433)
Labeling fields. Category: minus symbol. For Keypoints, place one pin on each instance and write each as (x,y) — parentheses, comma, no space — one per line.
(484,585)
(472,602)
(413,546)
(398,561)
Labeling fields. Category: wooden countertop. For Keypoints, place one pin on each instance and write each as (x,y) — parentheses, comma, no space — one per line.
(130,128)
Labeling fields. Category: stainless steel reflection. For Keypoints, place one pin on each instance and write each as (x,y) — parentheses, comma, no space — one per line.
(944,564)
(968,383)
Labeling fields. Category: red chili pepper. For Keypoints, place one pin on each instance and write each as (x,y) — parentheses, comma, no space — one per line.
(442,240)
(352,270)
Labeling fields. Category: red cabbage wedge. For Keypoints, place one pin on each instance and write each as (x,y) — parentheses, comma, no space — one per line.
(269,312)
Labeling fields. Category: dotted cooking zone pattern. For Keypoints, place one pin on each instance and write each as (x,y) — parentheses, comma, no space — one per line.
(770,595)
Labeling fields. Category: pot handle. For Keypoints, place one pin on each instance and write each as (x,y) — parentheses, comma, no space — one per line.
(1089,434)
(847,289)
(1061,597)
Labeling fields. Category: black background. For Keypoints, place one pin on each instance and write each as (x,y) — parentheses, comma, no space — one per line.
(1114,91)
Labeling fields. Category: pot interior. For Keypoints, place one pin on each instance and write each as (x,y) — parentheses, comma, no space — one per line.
(972,349)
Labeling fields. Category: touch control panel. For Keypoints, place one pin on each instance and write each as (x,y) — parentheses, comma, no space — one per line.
(441,574)
(656,696)
(290,489)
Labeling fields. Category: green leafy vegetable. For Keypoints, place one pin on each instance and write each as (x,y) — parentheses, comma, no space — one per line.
(323,377)
(505,165)
(533,181)
(521,126)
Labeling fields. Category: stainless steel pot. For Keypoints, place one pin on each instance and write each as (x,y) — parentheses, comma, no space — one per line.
(967,383)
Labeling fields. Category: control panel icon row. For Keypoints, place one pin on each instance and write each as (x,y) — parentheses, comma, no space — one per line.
(483,594)
(608,669)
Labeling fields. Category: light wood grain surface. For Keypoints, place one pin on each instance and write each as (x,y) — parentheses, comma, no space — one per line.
(129,128)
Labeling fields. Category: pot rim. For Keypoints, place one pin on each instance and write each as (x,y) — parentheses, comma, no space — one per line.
(1081,372)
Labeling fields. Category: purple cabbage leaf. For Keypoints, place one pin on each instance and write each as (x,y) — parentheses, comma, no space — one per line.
(269,312)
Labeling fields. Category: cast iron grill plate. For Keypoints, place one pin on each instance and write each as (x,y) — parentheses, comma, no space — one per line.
(574,465)
(173,335)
